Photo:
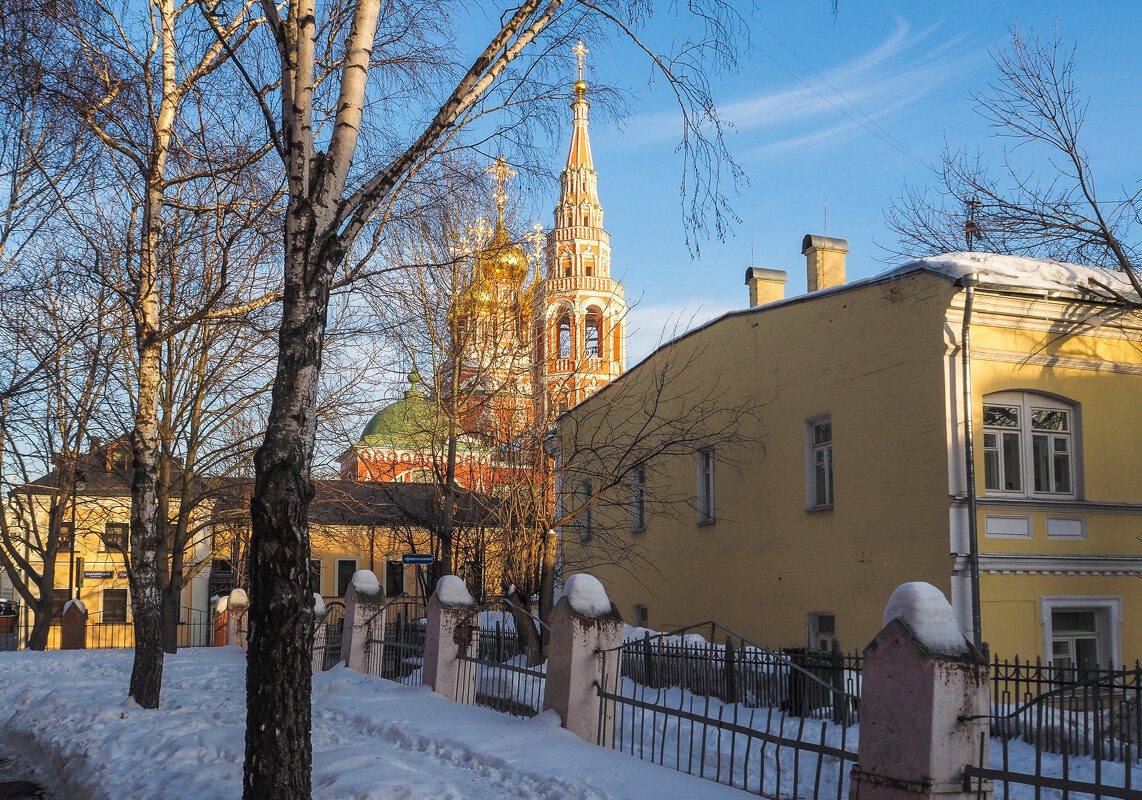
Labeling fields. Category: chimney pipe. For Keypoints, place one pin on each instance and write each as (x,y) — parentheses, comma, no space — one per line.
(765,285)
(824,261)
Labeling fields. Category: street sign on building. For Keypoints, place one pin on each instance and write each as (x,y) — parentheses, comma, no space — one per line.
(422,559)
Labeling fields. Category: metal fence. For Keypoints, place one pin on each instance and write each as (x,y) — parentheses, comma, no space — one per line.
(330,648)
(502,676)
(194,630)
(1063,729)
(800,682)
(772,724)
(395,641)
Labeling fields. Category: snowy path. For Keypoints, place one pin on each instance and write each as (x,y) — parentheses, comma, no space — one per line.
(66,714)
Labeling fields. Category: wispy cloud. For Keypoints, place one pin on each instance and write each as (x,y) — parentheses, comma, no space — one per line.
(650,326)
(842,101)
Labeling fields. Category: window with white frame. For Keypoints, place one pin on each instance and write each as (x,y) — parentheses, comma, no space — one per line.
(819,433)
(1028,445)
(586,517)
(1082,632)
(822,629)
(705,493)
(638,499)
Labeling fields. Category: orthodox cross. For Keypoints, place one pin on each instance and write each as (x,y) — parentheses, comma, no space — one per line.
(500,172)
(580,51)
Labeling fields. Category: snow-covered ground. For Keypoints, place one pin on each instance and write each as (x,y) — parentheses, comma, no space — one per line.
(65,714)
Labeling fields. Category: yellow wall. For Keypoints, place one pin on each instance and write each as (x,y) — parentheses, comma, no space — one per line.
(882,360)
(871,358)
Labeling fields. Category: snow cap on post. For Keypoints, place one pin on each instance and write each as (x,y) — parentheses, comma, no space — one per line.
(929,616)
(318,605)
(239,599)
(587,597)
(221,604)
(366,585)
(77,603)
(452,591)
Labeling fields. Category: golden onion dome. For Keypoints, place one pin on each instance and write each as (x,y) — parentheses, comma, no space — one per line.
(501,259)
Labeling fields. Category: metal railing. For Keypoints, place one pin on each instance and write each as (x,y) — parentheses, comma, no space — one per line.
(502,675)
(330,648)
(395,641)
(741,716)
(800,682)
(109,631)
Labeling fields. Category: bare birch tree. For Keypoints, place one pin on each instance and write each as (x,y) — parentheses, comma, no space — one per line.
(148,88)
(336,196)
(64,328)
(1054,211)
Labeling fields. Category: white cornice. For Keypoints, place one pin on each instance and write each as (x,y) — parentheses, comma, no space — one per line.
(1042,564)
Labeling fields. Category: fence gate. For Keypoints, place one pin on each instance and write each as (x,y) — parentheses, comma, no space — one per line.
(396,651)
(334,625)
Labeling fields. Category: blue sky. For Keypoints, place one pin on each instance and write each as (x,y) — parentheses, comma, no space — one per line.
(839,109)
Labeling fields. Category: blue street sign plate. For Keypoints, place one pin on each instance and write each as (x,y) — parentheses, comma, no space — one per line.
(98,574)
(416,558)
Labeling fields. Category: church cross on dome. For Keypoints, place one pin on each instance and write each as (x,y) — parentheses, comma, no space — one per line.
(580,51)
(500,172)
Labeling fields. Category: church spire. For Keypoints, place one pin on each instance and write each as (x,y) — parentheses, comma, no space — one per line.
(580,311)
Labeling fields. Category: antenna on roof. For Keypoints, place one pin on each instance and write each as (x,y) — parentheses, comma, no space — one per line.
(826,231)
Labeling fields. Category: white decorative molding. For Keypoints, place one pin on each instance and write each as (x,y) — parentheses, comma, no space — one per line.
(1008,526)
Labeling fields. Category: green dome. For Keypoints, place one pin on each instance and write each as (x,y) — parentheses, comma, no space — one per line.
(408,423)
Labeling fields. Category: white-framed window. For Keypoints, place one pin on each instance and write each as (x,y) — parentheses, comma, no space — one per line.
(819,466)
(1082,632)
(638,499)
(1028,445)
(822,630)
(705,492)
(586,515)
(641,616)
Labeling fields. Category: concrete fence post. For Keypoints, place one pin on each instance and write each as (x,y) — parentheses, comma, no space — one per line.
(320,613)
(73,626)
(923,714)
(582,656)
(237,612)
(451,631)
(364,599)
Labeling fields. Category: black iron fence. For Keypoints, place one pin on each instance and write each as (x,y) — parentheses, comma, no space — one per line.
(720,707)
(108,630)
(395,641)
(799,682)
(504,675)
(327,644)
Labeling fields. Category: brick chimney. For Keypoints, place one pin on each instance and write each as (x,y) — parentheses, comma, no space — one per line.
(765,285)
(824,260)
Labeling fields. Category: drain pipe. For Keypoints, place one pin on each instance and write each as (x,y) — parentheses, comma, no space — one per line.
(969,282)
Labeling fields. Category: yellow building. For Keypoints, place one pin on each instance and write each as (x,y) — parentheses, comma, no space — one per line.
(373,525)
(90,565)
(859,483)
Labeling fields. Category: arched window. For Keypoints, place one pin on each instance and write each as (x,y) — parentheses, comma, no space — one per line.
(593,333)
(563,335)
(1028,445)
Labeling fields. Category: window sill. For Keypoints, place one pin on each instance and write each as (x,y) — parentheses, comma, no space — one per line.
(827,507)
(703,522)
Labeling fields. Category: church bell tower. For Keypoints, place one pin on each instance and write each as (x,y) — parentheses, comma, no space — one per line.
(580,310)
